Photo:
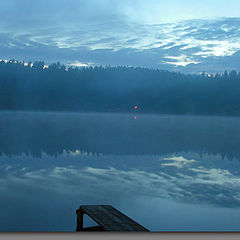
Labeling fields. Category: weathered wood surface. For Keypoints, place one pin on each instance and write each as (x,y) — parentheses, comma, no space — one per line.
(108,218)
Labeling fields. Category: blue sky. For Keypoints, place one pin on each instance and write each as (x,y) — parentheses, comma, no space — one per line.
(191,36)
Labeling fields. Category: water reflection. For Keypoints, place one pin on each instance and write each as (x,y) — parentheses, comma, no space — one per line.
(177,177)
(165,172)
(184,181)
(52,133)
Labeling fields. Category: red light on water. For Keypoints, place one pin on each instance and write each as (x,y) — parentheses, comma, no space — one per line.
(135,117)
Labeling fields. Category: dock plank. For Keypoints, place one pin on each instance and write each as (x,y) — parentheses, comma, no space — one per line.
(110,219)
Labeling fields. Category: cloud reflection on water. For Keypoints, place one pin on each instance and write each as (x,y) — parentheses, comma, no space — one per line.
(183,179)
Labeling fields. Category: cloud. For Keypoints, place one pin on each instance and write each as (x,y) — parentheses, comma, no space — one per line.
(80,64)
(79,34)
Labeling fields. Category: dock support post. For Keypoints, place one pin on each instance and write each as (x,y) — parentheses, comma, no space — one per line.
(79,220)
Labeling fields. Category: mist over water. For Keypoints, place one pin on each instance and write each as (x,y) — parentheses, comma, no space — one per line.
(169,173)
(118,134)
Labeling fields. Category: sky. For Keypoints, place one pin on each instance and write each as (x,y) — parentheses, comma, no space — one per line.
(186,35)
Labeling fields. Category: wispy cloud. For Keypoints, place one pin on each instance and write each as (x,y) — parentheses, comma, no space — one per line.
(108,38)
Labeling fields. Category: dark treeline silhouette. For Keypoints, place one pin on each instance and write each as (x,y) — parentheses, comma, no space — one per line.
(57,88)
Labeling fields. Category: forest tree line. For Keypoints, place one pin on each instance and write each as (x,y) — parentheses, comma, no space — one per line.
(37,87)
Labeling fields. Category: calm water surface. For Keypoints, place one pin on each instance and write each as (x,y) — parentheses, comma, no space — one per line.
(169,173)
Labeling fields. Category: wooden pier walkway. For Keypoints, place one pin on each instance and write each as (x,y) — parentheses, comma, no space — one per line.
(108,218)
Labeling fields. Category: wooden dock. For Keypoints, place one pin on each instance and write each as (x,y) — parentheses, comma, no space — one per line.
(108,218)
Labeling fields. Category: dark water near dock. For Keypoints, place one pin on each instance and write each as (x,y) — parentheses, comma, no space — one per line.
(169,173)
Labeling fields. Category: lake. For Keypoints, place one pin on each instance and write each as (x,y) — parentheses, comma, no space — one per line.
(169,173)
